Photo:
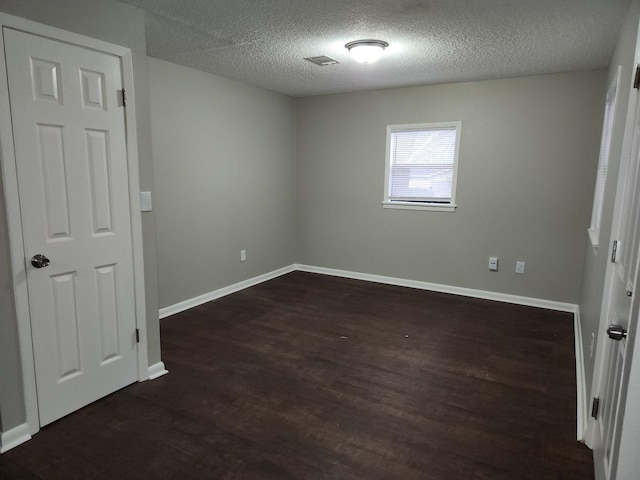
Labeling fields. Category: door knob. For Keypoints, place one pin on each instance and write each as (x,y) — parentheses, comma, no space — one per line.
(40,261)
(616,332)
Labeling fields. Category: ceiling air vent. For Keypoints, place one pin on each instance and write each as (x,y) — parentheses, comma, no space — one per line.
(322,60)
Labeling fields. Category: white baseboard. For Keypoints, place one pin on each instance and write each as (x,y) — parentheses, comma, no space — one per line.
(436,287)
(14,437)
(402,282)
(157,370)
(581,386)
(221,292)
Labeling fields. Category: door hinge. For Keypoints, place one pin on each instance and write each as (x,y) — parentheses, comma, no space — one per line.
(595,406)
(137,335)
(636,80)
(614,251)
(122,97)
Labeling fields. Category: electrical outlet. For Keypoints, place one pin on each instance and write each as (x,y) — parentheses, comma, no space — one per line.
(493,264)
(519,267)
(243,255)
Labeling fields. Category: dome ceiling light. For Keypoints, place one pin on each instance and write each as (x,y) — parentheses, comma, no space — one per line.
(366,51)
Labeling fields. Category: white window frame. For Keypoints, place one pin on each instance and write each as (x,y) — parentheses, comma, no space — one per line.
(419,205)
(603,160)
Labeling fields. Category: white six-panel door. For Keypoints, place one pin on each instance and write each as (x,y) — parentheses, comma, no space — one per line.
(70,146)
(619,296)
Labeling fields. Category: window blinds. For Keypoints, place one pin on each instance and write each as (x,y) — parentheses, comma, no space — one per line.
(422,163)
(603,162)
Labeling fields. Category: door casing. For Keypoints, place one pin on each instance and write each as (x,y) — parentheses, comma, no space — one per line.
(14,221)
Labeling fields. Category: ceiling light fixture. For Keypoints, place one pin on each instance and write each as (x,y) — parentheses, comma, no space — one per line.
(366,51)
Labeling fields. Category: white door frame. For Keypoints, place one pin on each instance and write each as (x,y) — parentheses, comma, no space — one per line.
(14,221)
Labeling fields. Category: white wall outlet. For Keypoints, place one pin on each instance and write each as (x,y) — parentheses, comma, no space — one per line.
(519,267)
(243,255)
(493,264)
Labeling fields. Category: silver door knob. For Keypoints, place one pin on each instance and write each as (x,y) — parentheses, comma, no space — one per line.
(616,332)
(40,261)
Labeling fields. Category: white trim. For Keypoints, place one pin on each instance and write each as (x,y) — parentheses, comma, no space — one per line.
(221,292)
(581,388)
(126,60)
(446,207)
(436,287)
(9,174)
(157,370)
(402,282)
(14,437)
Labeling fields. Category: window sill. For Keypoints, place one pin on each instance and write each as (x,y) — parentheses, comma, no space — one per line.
(420,206)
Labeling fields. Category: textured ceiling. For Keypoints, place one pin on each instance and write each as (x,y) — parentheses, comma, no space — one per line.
(264,42)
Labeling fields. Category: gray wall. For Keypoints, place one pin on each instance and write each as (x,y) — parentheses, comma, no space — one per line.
(224,160)
(595,261)
(529,151)
(122,25)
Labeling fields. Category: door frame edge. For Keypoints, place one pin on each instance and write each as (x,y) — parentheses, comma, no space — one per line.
(136,213)
(14,218)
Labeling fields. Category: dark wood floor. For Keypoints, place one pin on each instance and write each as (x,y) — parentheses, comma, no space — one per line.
(315,377)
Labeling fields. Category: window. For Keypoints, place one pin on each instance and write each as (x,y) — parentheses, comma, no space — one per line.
(603,162)
(422,164)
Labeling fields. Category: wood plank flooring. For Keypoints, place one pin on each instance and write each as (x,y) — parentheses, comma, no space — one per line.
(315,377)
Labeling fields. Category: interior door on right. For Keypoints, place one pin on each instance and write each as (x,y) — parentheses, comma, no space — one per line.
(624,255)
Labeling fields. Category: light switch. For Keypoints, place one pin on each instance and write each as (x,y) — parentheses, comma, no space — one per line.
(145,201)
